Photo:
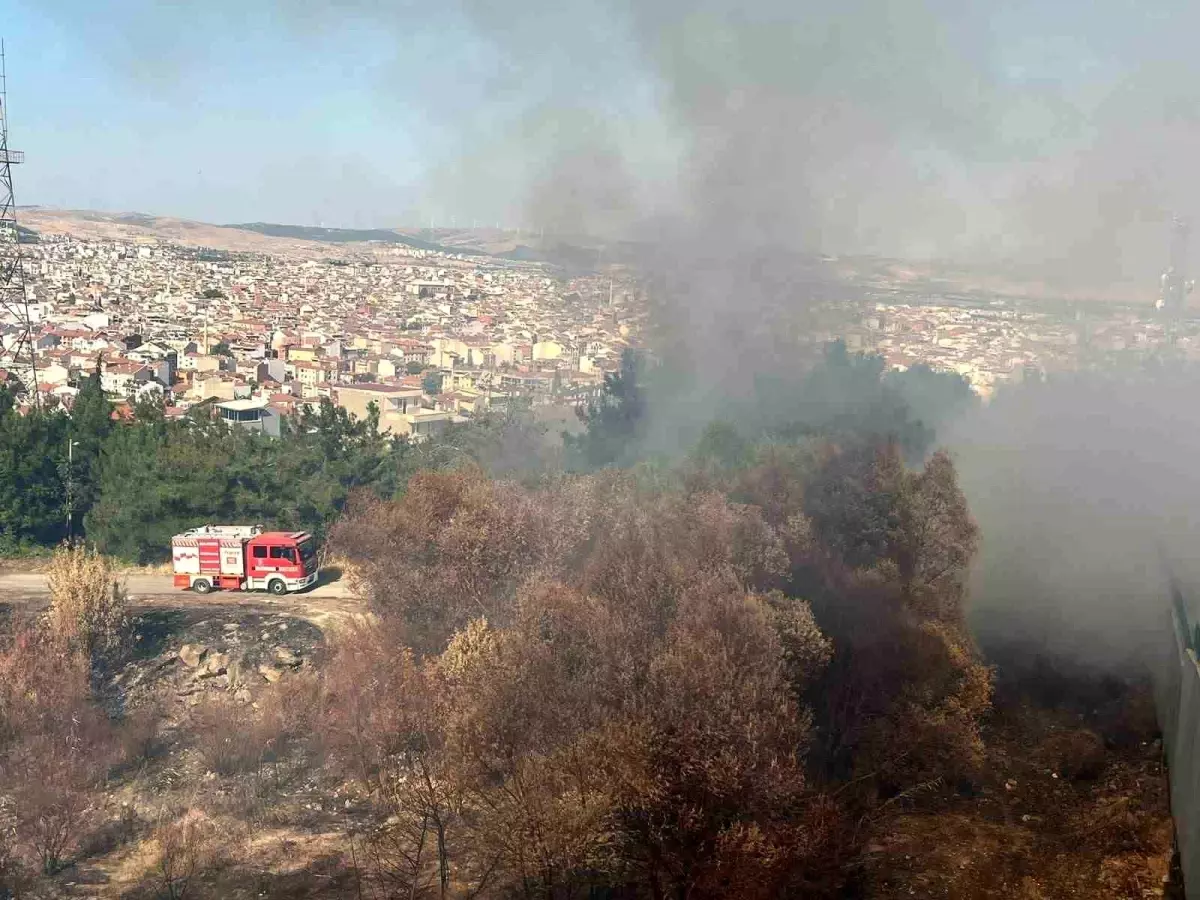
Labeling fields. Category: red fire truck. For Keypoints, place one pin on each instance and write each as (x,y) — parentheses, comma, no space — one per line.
(243,558)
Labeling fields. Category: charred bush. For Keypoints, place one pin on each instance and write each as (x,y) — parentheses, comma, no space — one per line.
(1075,754)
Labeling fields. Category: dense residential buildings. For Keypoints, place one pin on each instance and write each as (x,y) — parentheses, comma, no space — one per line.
(428,338)
(993,341)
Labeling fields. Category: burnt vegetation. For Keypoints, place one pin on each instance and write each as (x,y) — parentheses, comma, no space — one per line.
(746,673)
(680,684)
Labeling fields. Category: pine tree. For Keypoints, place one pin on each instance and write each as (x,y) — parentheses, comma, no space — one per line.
(32,486)
(615,421)
(90,426)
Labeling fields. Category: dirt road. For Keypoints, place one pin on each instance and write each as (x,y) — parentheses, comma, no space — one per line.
(329,599)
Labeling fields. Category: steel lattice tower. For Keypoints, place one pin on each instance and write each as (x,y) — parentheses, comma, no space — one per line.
(14,301)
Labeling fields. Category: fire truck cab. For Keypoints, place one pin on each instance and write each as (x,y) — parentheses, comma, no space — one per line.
(243,558)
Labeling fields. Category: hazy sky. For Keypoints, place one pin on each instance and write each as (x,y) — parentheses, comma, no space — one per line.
(247,111)
(207,113)
(1060,131)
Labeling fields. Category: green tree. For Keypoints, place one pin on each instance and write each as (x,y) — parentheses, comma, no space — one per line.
(722,447)
(91,424)
(414,367)
(432,383)
(32,487)
(846,397)
(91,412)
(157,478)
(614,422)
(221,348)
(934,399)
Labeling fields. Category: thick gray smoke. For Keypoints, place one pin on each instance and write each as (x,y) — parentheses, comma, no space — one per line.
(1059,141)
(1051,145)
(1050,140)
(1087,492)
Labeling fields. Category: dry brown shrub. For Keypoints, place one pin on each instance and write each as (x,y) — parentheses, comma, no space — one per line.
(13,873)
(806,651)
(886,566)
(776,480)
(903,698)
(724,755)
(632,702)
(56,746)
(379,722)
(139,731)
(454,548)
(945,693)
(265,739)
(590,747)
(88,604)
(290,709)
(375,700)
(226,734)
(601,680)
(187,848)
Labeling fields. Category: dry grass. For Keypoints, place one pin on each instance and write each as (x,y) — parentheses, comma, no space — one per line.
(88,603)
(229,735)
(41,564)
(188,848)
(269,743)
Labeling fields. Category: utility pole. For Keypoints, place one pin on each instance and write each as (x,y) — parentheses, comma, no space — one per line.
(71,445)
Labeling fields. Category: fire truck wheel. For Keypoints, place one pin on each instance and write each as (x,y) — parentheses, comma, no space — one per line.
(201,585)
(277,587)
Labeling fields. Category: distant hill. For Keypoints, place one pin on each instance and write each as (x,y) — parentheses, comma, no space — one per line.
(341,235)
(258,237)
(574,253)
(580,254)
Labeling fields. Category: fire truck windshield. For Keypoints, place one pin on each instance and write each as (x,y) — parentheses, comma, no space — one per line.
(306,551)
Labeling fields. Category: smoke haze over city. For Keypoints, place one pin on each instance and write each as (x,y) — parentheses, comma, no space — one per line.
(1056,138)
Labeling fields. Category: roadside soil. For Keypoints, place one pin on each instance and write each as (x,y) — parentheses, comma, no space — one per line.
(24,591)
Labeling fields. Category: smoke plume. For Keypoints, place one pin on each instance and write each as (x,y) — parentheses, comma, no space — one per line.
(1086,490)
